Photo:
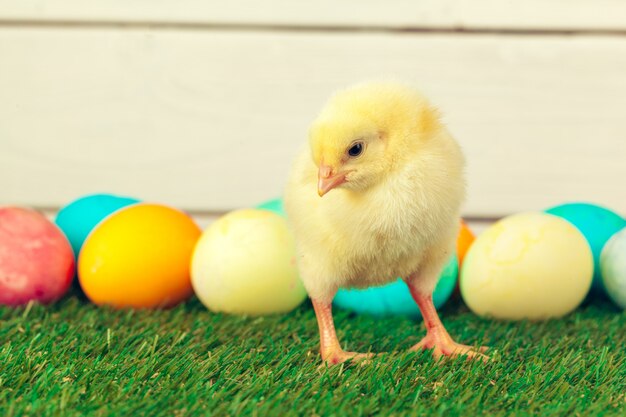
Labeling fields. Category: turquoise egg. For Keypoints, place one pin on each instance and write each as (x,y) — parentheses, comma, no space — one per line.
(597,224)
(395,299)
(78,218)
(275,205)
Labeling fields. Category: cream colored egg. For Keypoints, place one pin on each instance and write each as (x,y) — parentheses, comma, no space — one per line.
(530,265)
(245,263)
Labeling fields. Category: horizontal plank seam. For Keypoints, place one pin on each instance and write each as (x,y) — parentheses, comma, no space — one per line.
(207,26)
(217,213)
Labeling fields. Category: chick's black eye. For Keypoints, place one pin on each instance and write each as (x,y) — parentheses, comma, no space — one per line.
(356,149)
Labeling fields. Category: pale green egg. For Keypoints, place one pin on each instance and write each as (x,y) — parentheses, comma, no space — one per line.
(245,263)
(613,268)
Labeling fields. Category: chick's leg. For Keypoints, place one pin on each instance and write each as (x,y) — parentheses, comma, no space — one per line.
(331,350)
(437,337)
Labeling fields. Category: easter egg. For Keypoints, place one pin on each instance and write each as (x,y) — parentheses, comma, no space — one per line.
(597,224)
(395,299)
(275,205)
(613,268)
(245,263)
(464,241)
(36,260)
(78,218)
(139,257)
(530,265)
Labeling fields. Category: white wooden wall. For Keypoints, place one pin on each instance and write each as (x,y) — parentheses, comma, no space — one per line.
(202,104)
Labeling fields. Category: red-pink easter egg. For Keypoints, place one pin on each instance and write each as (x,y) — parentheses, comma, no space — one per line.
(36,260)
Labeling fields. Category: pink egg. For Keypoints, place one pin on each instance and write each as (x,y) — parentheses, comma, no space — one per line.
(36,260)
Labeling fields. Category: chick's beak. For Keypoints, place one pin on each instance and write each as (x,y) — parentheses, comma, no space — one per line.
(327,181)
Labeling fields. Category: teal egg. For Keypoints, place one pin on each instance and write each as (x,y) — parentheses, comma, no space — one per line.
(275,205)
(395,299)
(78,218)
(597,224)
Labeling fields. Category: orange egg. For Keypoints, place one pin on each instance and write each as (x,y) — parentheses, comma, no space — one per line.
(139,257)
(464,241)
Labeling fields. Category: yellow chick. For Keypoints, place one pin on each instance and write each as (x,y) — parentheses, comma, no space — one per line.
(376,195)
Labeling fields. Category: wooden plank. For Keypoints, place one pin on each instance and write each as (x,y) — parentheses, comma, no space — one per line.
(397,14)
(212,120)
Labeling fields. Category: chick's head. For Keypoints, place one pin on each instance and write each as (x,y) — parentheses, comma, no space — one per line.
(366,132)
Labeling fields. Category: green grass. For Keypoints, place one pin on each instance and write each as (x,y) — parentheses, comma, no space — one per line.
(76,359)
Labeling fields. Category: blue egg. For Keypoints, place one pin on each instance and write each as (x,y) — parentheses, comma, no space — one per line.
(275,205)
(395,299)
(78,218)
(597,224)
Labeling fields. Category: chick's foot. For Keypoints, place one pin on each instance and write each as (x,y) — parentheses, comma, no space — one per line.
(437,337)
(339,356)
(330,348)
(443,345)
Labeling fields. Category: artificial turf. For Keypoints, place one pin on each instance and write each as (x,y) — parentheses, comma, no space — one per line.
(76,359)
